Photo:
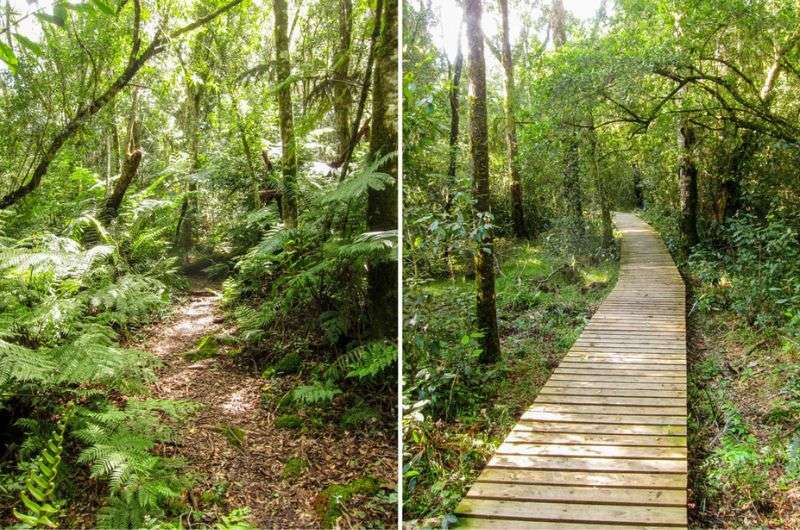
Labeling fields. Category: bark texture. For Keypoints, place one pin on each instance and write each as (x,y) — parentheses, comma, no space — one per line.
(341,76)
(286,118)
(517,210)
(687,182)
(382,278)
(479,150)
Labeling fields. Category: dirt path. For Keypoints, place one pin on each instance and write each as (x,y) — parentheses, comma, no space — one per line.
(248,473)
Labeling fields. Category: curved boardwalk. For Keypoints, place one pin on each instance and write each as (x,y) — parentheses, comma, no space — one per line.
(604,443)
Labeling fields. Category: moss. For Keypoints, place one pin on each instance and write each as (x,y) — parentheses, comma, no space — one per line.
(330,502)
(294,467)
(358,417)
(206,347)
(235,435)
(288,364)
(289,421)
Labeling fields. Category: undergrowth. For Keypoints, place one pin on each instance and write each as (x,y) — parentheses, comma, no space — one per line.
(457,411)
(72,399)
(744,381)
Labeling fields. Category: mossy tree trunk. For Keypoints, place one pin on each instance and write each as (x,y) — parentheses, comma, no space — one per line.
(382,204)
(455,118)
(479,150)
(286,118)
(638,187)
(687,183)
(129,168)
(602,190)
(573,194)
(342,99)
(517,210)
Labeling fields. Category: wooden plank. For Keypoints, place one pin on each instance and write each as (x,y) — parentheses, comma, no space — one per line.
(483,523)
(560,438)
(614,419)
(552,388)
(582,478)
(612,400)
(590,382)
(575,513)
(599,451)
(579,494)
(601,428)
(617,378)
(625,410)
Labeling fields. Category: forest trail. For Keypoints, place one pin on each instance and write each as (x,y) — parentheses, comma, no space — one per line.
(231,445)
(604,443)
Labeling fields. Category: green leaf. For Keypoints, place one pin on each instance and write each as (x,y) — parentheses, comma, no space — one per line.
(27,519)
(30,504)
(104,7)
(34,47)
(7,56)
(51,19)
(60,12)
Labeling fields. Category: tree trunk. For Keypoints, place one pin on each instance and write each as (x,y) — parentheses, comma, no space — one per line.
(479,149)
(130,166)
(572,183)
(382,204)
(187,221)
(638,189)
(355,130)
(341,72)
(687,181)
(517,211)
(455,106)
(288,143)
(602,191)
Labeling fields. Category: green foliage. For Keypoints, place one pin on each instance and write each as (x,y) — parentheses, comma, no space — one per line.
(294,467)
(206,347)
(237,519)
(289,421)
(288,364)
(358,417)
(757,274)
(316,394)
(235,436)
(119,449)
(41,506)
(334,498)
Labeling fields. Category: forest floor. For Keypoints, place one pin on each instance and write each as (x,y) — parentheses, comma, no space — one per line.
(744,404)
(234,452)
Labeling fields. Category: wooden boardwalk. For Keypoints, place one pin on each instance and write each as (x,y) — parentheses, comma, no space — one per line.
(604,443)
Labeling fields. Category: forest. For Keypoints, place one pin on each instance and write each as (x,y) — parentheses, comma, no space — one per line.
(198,262)
(525,126)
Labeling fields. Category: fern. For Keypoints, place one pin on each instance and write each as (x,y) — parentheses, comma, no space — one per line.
(18,363)
(357,184)
(316,393)
(374,360)
(39,494)
(120,444)
(236,520)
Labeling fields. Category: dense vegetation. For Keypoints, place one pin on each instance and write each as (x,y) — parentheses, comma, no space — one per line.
(150,151)
(686,111)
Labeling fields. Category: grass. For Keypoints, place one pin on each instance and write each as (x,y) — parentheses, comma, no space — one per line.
(744,412)
(458,412)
